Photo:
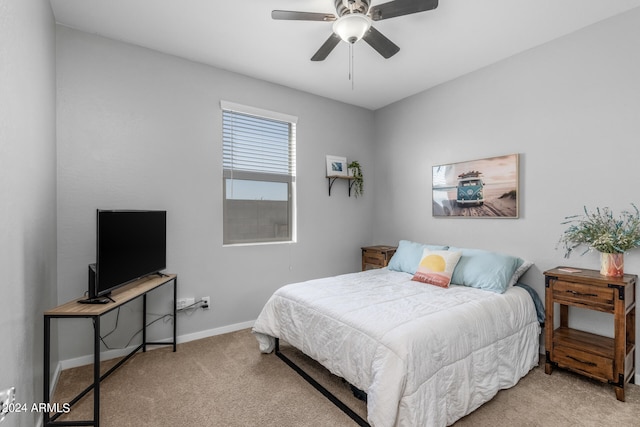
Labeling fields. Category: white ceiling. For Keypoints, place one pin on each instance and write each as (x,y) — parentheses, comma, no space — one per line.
(458,37)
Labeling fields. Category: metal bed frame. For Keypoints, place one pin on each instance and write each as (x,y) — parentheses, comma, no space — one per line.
(355,417)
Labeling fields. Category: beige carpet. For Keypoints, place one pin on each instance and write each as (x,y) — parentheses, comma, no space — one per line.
(225,381)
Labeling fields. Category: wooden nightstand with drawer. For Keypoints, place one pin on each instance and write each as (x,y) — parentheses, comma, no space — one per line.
(376,256)
(610,360)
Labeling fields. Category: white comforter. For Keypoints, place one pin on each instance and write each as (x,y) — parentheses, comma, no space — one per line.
(425,356)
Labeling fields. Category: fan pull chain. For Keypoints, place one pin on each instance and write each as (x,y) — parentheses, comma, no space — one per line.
(351,77)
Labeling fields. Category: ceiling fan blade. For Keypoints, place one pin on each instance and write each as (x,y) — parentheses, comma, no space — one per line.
(326,48)
(380,43)
(302,16)
(401,7)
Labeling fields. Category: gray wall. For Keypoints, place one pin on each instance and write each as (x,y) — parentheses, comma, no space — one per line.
(571,108)
(27,195)
(139,129)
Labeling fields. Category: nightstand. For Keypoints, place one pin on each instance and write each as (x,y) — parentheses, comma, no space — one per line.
(610,360)
(376,256)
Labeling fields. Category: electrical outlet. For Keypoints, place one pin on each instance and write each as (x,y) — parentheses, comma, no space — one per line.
(185,303)
(206,303)
(7,397)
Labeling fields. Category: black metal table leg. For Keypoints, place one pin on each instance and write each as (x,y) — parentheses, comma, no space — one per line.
(175,317)
(96,372)
(47,366)
(144,323)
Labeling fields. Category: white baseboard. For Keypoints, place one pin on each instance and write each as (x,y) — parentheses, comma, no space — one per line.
(215,331)
(112,354)
(88,359)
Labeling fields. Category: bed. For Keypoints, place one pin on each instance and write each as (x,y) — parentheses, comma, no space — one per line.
(425,355)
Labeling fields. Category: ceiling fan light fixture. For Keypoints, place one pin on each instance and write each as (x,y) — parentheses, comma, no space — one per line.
(352,27)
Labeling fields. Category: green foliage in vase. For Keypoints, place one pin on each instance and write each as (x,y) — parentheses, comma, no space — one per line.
(602,231)
(358,182)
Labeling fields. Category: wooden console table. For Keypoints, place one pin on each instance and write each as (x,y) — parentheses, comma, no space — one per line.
(73,309)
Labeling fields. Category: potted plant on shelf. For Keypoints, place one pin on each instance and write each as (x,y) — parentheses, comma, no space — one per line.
(355,173)
(601,231)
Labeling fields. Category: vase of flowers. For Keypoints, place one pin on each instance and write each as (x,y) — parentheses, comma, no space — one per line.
(612,264)
(610,235)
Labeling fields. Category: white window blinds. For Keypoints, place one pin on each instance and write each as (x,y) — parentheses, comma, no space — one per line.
(254,144)
(258,156)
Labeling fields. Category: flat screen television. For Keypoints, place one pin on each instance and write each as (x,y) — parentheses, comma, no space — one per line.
(130,244)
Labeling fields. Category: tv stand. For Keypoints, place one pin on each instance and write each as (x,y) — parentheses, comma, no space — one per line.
(95,311)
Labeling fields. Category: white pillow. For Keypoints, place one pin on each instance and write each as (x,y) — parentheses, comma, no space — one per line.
(519,272)
(436,267)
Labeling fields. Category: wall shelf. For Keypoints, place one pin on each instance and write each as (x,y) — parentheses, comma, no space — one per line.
(333,178)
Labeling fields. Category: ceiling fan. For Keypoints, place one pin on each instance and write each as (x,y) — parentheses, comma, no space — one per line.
(352,22)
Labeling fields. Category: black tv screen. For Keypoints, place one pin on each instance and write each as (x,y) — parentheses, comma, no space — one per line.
(130,245)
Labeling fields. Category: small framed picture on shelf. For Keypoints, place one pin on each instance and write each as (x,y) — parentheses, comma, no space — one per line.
(336,166)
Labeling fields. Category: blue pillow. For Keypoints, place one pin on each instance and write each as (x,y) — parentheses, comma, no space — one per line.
(486,270)
(408,256)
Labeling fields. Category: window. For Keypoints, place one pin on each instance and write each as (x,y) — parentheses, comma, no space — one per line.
(258,156)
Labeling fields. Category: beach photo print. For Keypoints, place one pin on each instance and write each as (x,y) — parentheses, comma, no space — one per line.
(484,188)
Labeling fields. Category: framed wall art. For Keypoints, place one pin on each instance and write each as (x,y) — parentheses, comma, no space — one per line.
(484,188)
(336,166)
